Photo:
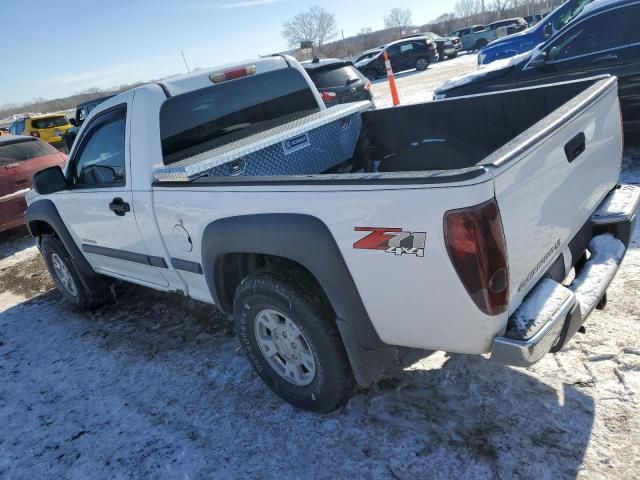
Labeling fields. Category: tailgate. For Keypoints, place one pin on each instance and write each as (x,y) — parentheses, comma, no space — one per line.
(551,182)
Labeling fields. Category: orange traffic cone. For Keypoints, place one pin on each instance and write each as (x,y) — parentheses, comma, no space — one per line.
(392,80)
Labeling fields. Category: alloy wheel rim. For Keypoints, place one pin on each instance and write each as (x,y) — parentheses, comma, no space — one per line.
(63,275)
(285,347)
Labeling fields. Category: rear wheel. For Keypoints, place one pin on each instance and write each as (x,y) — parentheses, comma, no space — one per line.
(67,279)
(422,64)
(480,44)
(288,332)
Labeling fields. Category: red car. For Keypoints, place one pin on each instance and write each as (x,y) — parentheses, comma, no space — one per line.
(20,158)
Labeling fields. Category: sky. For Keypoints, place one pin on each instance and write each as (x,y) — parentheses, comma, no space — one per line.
(57,48)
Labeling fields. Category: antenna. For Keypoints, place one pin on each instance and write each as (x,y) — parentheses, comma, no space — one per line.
(185,61)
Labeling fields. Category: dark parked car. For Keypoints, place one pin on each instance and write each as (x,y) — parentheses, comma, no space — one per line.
(338,81)
(514,25)
(603,39)
(448,47)
(405,54)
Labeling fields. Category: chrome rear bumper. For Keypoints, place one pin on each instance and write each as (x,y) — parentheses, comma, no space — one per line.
(551,313)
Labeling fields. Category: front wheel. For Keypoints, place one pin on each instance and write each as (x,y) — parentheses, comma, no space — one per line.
(422,64)
(288,332)
(67,279)
(480,44)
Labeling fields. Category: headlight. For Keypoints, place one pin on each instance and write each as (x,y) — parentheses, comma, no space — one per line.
(481,58)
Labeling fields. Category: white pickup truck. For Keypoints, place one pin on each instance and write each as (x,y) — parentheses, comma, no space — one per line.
(343,239)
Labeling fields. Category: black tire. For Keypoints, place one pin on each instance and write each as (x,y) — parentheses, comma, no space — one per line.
(422,64)
(451,57)
(77,296)
(292,294)
(480,44)
(371,74)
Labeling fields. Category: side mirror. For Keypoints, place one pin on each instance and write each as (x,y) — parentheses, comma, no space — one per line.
(72,121)
(548,30)
(49,180)
(538,59)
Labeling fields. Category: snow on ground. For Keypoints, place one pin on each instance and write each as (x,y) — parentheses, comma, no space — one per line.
(155,386)
(414,86)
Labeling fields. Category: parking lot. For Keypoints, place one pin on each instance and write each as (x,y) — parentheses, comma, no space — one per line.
(156,386)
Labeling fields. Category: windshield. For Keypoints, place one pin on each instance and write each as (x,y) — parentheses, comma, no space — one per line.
(49,122)
(208,118)
(568,12)
(368,55)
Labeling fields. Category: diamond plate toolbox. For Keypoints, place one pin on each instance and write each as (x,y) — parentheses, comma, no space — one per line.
(309,145)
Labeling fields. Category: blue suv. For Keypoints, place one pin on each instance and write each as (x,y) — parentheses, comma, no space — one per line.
(521,42)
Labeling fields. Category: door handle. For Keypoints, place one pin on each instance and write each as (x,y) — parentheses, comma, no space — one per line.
(575,147)
(119,207)
(606,59)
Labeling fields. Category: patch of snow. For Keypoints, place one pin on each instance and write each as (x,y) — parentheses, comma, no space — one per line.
(606,254)
(619,201)
(539,306)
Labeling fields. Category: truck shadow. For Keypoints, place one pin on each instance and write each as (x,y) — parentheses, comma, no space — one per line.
(176,363)
(14,240)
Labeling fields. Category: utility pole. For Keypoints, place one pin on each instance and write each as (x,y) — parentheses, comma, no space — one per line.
(185,61)
(484,18)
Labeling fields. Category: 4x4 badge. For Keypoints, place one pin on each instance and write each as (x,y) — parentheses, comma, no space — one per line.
(392,240)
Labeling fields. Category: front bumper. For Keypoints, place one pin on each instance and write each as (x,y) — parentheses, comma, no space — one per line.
(552,313)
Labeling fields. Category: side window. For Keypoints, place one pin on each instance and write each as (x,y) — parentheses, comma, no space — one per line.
(100,158)
(596,34)
(406,48)
(395,50)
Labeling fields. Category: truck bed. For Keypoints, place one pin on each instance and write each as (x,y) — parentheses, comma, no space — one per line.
(436,141)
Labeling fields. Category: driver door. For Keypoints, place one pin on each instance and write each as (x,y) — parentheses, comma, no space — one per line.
(98,206)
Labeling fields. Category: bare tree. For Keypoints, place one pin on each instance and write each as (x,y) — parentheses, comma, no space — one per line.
(447,22)
(501,7)
(398,18)
(468,8)
(365,33)
(316,24)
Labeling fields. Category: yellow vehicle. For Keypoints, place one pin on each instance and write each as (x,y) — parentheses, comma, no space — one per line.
(50,128)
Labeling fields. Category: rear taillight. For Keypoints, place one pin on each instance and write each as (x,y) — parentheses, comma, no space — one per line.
(232,74)
(35,133)
(476,246)
(328,96)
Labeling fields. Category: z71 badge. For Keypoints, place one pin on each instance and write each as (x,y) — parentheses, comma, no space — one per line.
(392,240)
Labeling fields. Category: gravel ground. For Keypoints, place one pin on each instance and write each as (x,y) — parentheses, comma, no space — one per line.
(156,387)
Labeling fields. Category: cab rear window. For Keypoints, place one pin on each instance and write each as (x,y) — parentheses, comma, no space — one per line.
(20,150)
(49,122)
(198,121)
